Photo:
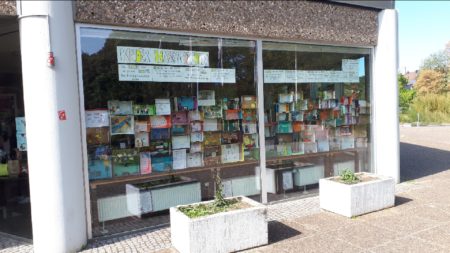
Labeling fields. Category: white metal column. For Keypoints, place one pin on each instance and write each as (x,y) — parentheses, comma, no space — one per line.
(262,139)
(53,126)
(385,97)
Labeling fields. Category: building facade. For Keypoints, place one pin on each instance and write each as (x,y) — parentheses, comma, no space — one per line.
(133,107)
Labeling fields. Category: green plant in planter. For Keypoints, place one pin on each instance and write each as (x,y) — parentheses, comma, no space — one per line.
(348,177)
(220,204)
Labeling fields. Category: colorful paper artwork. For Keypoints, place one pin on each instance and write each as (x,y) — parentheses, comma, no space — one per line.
(97,118)
(141,139)
(97,136)
(116,107)
(181,142)
(212,112)
(160,122)
(122,124)
(248,102)
(179,159)
(186,103)
(162,106)
(206,98)
(144,109)
(231,153)
(145,162)
(194,160)
(160,134)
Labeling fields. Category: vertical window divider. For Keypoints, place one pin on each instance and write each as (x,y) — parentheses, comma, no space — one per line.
(262,140)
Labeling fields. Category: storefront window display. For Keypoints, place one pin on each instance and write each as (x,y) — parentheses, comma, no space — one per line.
(163,113)
(317,115)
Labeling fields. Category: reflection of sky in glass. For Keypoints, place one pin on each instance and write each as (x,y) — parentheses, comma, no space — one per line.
(91,45)
(93,40)
(362,67)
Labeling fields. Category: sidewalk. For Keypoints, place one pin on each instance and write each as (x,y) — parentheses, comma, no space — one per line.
(419,222)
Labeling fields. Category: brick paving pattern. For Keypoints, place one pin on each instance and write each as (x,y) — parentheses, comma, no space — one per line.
(420,222)
(14,244)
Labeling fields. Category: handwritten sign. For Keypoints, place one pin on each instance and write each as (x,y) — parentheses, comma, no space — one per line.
(158,56)
(349,74)
(149,73)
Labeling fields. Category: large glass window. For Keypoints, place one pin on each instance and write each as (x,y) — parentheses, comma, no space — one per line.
(163,114)
(317,115)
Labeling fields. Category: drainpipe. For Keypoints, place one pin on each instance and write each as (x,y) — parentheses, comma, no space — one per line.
(52,109)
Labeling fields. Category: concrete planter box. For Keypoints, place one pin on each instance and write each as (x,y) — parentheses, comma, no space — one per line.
(356,199)
(222,232)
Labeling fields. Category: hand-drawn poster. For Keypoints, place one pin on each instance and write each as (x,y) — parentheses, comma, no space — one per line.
(145,163)
(122,124)
(116,107)
(179,159)
(97,118)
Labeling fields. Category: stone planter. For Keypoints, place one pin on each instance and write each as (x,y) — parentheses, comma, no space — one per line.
(355,199)
(222,232)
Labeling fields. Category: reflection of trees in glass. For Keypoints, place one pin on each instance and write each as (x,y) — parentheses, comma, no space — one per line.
(101,82)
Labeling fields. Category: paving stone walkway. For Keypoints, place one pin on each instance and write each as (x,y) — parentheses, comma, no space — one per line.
(420,221)
(13,244)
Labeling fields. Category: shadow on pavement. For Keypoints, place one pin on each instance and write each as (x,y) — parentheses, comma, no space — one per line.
(279,232)
(401,200)
(419,161)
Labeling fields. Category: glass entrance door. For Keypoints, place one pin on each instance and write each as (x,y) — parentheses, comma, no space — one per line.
(15,208)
